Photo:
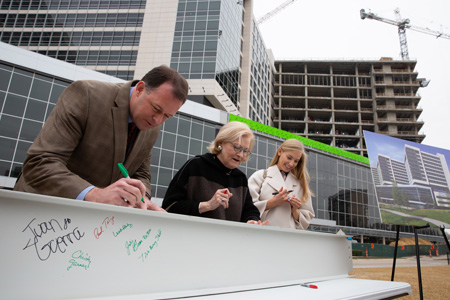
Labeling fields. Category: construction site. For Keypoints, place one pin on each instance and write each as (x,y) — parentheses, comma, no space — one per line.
(333,102)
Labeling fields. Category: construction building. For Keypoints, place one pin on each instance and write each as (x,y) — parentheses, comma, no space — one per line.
(334,101)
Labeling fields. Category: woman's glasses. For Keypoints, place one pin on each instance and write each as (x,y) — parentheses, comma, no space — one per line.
(239,148)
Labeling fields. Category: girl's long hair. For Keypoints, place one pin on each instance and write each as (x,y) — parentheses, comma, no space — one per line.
(300,171)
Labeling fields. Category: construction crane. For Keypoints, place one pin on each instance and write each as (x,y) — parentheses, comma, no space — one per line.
(274,11)
(402,25)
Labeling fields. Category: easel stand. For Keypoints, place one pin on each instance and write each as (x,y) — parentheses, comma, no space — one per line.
(419,273)
(445,237)
(395,252)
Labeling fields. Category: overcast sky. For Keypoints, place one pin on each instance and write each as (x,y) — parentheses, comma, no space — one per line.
(329,29)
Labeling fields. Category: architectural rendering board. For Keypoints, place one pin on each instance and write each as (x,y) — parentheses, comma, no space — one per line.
(412,180)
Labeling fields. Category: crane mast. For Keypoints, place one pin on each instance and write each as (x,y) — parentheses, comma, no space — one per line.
(402,34)
(402,25)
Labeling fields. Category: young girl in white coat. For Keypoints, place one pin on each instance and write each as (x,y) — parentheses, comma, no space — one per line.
(281,192)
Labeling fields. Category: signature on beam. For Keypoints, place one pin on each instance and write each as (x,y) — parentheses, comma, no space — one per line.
(43,239)
(80,259)
(99,230)
(147,243)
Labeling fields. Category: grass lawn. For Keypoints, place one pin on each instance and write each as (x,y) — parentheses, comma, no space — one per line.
(436,214)
(390,218)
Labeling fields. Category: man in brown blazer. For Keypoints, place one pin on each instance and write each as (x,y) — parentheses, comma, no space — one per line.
(77,151)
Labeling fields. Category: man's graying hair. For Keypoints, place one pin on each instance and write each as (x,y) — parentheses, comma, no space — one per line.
(162,74)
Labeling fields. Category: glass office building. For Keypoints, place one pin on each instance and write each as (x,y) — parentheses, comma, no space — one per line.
(103,35)
(207,43)
(215,44)
(344,196)
(261,79)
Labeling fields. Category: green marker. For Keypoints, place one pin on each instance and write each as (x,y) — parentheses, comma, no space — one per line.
(125,174)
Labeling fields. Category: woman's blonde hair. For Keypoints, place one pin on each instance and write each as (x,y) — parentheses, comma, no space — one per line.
(229,133)
(300,171)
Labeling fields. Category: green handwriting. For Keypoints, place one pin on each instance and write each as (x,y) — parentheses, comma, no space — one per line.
(122,229)
(144,255)
(134,245)
(80,259)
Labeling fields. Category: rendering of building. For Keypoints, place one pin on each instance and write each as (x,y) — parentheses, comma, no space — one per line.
(420,180)
(344,195)
(334,101)
(391,170)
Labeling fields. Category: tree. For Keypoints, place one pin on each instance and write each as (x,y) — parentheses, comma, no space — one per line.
(396,196)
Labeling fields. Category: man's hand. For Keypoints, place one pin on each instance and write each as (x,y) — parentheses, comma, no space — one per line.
(153,206)
(124,192)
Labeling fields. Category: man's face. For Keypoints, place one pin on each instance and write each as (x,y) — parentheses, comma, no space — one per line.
(152,109)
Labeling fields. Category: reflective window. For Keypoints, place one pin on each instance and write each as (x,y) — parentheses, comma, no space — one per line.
(7,147)
(14,105)
(260,80)
(167,159)
(164,178)
(36,110)
(40,89)
(4,79)
(180,160)
(30,130)
(56,92)
(4,166)
(20,84)
(168,141)
(21,151)
(24,96)
(9,126)
(195,147)
(182,144)
(80,16)
(79,4)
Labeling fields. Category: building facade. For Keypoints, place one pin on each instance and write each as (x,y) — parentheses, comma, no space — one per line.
(334,101)
(214,44)
(344,195)
(100,35)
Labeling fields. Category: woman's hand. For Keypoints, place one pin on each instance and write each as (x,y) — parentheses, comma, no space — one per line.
(294,202)
(220,197)
(295,205)
(258,222)
(280,198)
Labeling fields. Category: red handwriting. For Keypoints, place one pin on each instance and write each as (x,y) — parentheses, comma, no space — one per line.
(99,230)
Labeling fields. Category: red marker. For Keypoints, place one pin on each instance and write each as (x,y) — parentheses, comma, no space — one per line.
(225,192)
(311,286)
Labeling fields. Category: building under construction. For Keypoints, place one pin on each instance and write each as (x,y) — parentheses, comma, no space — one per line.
(334,101)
